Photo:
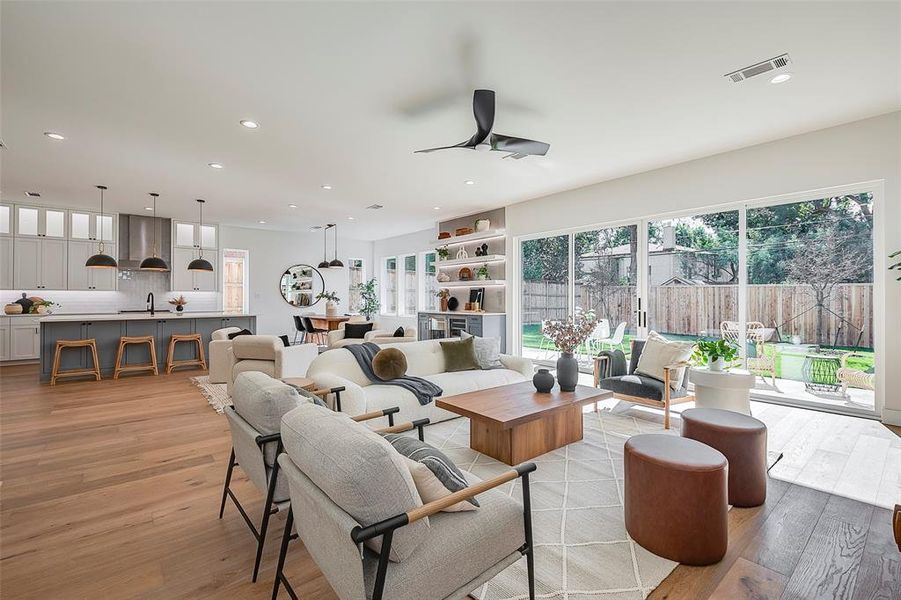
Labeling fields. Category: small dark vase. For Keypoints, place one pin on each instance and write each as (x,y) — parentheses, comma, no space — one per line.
(543,381)
(180,308)
(567,372)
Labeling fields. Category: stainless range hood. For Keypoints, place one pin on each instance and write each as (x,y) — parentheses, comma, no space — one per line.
(136,240)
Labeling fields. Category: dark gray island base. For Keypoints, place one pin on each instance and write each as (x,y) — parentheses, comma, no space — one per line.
(107,329)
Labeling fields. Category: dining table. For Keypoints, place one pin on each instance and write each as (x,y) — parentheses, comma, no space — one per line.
(328,322)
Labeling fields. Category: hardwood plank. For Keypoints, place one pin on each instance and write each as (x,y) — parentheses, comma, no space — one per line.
(829,566)
(749,580)
(880,567)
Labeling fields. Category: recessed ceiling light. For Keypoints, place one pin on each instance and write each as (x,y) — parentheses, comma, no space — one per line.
(292,206)
(781,78)
(148,208)
(469,182)
(326,186)
(261,222)
(350,218)
(250,124)
(217,165)
(54,136)
(437,208)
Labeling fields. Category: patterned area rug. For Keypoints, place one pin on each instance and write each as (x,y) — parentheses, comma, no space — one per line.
(215,393)
(582,549)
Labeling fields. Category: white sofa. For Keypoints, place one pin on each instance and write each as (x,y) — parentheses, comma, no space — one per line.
(267,354)
(378,336)
(221,360)
(424,359)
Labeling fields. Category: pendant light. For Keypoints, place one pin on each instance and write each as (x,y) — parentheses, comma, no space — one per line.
(324,264)
(101,260)
(200,263)
(154,263)
(335,264)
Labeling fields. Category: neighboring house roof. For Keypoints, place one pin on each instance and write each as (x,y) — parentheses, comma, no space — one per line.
(683,281)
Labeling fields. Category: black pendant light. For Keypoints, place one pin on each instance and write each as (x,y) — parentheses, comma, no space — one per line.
(324,264)
(154,263)
(101,260)
(200,263)
(335,264)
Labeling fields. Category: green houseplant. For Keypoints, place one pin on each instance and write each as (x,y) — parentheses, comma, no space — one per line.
(717,355)
(443,252)
(369,299)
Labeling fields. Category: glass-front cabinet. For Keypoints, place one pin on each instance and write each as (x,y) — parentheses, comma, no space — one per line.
(37,221)
(195,235)
(91,226)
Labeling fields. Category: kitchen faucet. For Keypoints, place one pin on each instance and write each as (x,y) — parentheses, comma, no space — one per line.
(150,303)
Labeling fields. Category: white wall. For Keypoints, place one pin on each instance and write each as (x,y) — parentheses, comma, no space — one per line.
(856,152)
(417,242)
(271,252)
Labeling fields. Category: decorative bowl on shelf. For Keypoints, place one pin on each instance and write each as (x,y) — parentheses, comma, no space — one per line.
(465,274)
(444,235)
(463,231)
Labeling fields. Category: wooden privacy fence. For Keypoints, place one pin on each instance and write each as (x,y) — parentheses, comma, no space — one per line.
(699,310)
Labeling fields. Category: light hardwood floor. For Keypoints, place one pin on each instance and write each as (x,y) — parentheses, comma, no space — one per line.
(111,489)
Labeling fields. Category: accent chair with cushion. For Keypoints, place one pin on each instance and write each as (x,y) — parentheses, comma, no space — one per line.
(668,386)
(269,355)
(361,518)
(221,360)
(340,338)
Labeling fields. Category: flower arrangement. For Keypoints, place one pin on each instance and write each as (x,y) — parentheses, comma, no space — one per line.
(569,333)
(443,293)
(180,301)
(328,296)
(443,252)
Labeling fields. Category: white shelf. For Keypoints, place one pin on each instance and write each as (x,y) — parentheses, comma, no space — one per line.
(471,284)
(472,237)
(472,260)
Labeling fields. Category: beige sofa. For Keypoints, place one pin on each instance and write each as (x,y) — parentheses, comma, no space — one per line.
(378,336)
(424,359)
(267,354)
(221,361)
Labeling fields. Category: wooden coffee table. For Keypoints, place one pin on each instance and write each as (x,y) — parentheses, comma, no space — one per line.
(513,423)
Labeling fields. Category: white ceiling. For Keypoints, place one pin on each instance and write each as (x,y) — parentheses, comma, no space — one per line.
(149,93)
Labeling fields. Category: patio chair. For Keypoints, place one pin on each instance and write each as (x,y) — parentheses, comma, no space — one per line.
(545,343)
(762,364)
(616,340)
(600,332)
(851,377)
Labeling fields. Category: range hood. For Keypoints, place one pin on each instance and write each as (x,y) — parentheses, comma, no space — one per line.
(136,240)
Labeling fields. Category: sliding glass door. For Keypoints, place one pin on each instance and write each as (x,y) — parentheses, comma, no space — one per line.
(544,291)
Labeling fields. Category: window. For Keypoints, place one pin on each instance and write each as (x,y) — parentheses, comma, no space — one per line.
(429,283)
(545,291)
(234,281)
(356,277)
(389,289)
(410,296)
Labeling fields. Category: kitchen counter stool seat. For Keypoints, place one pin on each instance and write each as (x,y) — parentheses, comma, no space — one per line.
(171,363)
(62,345)
(120,354)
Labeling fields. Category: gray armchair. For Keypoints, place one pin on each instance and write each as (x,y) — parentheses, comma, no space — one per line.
(621,379)
(358,514)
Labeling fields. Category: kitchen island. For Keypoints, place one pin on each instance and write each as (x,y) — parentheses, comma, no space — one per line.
(107,328)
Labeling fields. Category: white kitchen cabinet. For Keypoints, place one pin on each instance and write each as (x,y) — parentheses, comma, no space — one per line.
(4,338)
(6,263)
(39,263)
(39,221)
(86,226)
(24,338)
(184,280)
(81,277)
(193,235)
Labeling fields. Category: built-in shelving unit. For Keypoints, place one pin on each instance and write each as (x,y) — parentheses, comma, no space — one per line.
(472,260)
(473,283)
(478,236)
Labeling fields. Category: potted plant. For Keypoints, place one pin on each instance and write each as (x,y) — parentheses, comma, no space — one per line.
(331,302)
(482,272)
(443,252)
(179,303)
(42,307)
(717,355)
(443,294)
(369,299)
(567,336)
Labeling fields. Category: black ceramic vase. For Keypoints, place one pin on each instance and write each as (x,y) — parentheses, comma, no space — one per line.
(179,308)
(567,372)
(543,381)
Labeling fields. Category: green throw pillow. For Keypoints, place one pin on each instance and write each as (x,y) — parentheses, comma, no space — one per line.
(460,356)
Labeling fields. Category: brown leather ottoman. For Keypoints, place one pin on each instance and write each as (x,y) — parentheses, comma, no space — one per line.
(675,498)
(742,438)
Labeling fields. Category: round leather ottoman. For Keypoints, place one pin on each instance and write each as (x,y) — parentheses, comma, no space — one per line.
(742,438)
(675,498)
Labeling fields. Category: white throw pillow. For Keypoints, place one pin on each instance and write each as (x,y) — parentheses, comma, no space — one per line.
(659,352)
(430,487)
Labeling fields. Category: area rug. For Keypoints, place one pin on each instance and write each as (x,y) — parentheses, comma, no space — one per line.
(582,549)
(215,393)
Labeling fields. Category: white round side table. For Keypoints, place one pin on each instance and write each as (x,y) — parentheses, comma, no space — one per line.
(729,390)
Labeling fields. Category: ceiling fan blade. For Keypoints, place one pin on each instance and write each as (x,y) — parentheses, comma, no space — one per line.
(460,145)
(515,145)
(483,111)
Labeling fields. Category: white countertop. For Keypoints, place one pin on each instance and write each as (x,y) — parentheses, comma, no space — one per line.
(139,316)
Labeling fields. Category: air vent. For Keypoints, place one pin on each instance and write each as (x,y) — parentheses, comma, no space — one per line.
(33,194)
(375,206)
(766,66)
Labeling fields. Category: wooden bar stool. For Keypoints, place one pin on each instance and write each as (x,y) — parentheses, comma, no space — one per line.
(171,363)
(141,339)
(63,344)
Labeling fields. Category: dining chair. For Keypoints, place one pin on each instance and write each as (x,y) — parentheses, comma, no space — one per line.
(313,330)
(299,329)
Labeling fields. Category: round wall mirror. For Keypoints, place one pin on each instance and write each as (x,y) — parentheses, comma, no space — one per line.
(300,284)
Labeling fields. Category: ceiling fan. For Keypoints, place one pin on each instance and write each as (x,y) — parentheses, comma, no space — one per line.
(484,139)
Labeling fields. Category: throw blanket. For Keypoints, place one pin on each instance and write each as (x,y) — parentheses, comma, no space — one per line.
(423,389)
(615,365)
